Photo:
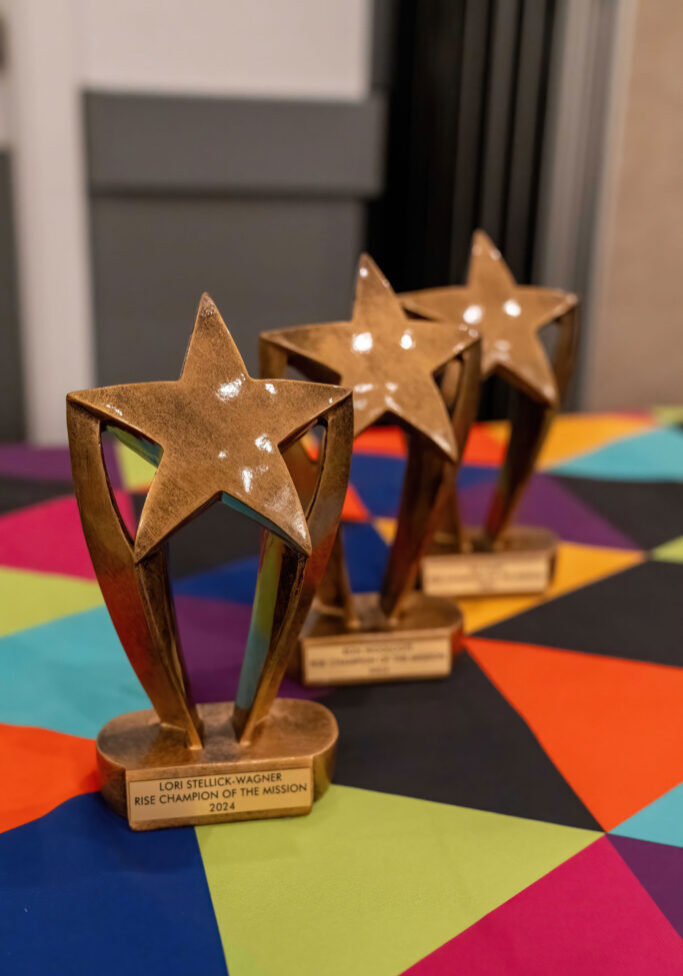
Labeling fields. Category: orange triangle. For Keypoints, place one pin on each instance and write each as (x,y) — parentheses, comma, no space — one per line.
(40,769)
(614,728)
(482,447)
(354,510)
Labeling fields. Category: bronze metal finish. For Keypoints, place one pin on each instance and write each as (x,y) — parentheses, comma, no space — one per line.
(425,376)
(509,318)
(215,434)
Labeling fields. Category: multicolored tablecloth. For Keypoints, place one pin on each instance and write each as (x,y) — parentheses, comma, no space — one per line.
(523,817)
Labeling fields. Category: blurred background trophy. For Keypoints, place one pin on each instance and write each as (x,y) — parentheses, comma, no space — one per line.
(499,557)
(215,434)
(425,377)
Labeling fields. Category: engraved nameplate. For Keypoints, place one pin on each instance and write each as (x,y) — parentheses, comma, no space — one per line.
(358,659)
(218,795)
(476,574)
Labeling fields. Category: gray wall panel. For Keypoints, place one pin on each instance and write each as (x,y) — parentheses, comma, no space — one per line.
(266,262)
(154,143)
(11,386)
(262,204)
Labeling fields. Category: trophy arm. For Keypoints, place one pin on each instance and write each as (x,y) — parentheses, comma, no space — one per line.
(288,580)
(530,423)
(334,591)
(138,596)
(428,486)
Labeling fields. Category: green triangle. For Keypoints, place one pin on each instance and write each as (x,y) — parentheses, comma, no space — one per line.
(369,883)
(671,552)
(29,598)
(668,415)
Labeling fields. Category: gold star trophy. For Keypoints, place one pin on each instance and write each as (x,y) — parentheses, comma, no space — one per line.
(498,557)
(215,434)
(425,377)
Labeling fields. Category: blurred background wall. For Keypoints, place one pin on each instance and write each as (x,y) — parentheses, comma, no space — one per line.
(153,149)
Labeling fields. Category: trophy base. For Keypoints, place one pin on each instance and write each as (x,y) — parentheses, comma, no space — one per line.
(420,645)
(151,777)
(522,563)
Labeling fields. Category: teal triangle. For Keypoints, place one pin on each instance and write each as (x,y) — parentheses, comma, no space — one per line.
(654,456)
(70,675)
(373,881)
(661,821)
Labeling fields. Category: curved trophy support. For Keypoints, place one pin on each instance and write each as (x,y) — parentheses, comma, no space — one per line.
(529,425)
(137,595)
(287,581)
(428,484)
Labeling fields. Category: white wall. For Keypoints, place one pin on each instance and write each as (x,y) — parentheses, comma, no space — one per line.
(308,49)
(274,48)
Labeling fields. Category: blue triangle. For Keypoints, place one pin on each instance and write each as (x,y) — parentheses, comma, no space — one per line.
(654,456)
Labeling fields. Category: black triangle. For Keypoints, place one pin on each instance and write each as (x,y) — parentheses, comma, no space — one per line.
(455,741)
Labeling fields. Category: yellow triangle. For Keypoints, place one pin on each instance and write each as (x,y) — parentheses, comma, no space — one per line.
(573,434)
(29,598)
(576,566)
(386,527)
(136,472)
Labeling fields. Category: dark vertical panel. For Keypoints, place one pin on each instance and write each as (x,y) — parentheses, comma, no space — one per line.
(499,116)
(529,104)
(468,155)
(11,385)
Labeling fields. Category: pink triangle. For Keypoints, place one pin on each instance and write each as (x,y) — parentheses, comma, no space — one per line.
(590,917)
(48,538)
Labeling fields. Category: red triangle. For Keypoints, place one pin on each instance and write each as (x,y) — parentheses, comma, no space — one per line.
(590,917)
(481,448)
(387,441)
(41,769)
(612,727)
(354,510)
(48,538)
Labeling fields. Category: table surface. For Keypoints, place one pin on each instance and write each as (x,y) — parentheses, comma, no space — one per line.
(524,816)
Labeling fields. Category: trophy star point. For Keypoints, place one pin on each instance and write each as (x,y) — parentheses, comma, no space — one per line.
(386,358)
(220,432)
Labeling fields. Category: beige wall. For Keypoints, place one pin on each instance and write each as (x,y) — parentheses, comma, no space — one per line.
(634,354)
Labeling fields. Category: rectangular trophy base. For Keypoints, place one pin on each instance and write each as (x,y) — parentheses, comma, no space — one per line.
(152,778)
(523,563)
(420,646)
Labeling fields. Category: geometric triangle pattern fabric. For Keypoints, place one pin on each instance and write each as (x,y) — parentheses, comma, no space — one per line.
(578,434)
(464,830)
(661,821)
(636,614)
(649,512)
(656,455)
(613,728)
(671,552)
(41,769)
(28,599)
(547,502)
(374,882)
(69,675)
(456,741)
(23,534)
(659,869)
(576,567)
(88,895)
(590,916)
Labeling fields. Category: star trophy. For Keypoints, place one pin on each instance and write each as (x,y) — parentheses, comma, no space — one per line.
(425,376)
(500,558)
(215,434)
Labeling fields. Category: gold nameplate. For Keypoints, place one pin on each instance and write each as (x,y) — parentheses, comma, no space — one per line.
(476,574)
(375,658)
(220,794)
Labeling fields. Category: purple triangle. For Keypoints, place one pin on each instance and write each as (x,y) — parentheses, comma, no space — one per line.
(213,634)
(48,463)
(547,503)
(659,868)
